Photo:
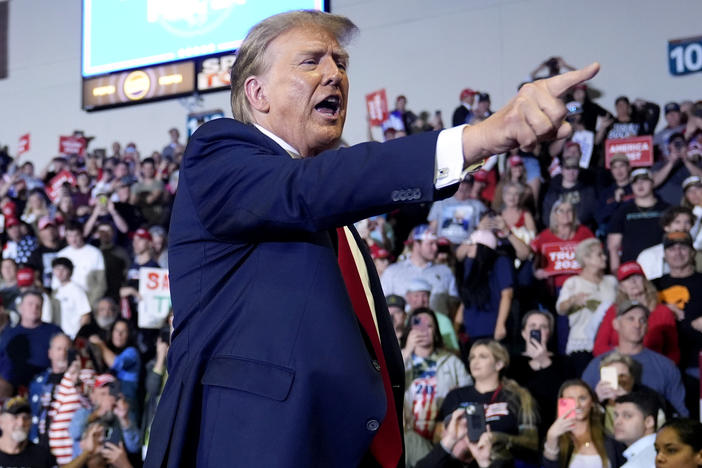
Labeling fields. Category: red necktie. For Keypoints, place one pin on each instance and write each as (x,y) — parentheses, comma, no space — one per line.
(386,446)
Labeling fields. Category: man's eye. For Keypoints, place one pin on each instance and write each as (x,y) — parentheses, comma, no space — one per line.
(341,65)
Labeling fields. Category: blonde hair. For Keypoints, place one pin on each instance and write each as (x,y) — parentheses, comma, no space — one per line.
(515,392)
(553,227)
(585,248)
(252,57)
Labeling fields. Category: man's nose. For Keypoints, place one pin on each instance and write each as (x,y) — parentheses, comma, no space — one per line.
(332,72)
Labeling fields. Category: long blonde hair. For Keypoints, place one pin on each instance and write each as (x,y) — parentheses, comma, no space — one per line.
(515,392)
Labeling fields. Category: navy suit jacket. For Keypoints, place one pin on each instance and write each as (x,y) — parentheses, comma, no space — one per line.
(268,365)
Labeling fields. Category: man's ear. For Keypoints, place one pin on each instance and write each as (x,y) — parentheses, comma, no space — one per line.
(615,324)
(650,424)
(253,87)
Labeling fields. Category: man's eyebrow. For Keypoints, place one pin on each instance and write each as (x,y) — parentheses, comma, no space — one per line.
(337,54)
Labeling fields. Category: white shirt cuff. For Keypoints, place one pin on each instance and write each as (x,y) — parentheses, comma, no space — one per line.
(449,157)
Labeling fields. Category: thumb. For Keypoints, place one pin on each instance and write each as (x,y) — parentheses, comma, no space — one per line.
(559,84)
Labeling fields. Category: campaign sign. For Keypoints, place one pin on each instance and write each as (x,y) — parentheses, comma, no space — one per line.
(72,145)
(53,189)
(23,145)
(685,56)
(560,258)
(639,150)
(377,107)
(155,295)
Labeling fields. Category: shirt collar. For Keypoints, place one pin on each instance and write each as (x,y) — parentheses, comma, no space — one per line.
(284,144)
(640,445)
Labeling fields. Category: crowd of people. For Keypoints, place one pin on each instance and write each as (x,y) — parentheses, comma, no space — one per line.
(549,312)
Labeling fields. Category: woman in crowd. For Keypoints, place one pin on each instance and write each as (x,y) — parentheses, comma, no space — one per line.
(584,298)
(662,334)
(577,439)
(159,244)
(487,287)
(692,198)
(679,444)
(537,369)
(430,371)
(515,173)
(121,358)
(566,232)
(510,410)
(35,209)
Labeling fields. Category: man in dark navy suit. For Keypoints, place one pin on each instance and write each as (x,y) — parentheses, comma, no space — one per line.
(283,352)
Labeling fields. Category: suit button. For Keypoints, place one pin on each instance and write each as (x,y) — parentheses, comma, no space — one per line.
(372,425)
(376,365)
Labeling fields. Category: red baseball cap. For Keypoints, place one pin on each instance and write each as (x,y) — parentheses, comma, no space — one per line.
(515,160)
(379,252)
(25,277)
(143,233)
(629,269)
(11,221)
(480,176)
(467,92)
(104,379)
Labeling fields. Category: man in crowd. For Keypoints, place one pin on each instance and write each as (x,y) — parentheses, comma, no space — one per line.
(681,290)
(148,192)
(42,389)
(396,308)
(27,344)
(652,259)
(256,200)
(674,124)
(659,372)
(635,416)
(456,217)
(617,193)
(464,112)
(15,448)
(116,260)
(73,306)
(669,173)
(635,225)
(49,245)
(174,146)
(88,263)
(420,264)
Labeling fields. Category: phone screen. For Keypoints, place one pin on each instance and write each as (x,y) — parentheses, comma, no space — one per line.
(535,335)
(565,406)
(609,374)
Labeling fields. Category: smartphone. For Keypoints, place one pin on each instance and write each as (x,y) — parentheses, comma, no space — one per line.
(565,406)
(475,414)
(111,436)
(417,323)
(535,335)
(609,374)
(102,199)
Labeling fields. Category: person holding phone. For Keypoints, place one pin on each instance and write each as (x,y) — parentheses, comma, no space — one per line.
(576,438)
(538,369)
(510,411)
(430,371)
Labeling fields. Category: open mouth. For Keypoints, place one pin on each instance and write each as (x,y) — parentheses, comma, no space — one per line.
(329,106)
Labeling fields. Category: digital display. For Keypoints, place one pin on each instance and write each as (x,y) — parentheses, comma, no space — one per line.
(125,34)
(142,85)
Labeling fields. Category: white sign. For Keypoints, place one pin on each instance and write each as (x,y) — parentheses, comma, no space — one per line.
(155,300)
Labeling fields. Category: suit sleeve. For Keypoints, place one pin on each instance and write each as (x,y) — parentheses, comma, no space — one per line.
(242,184)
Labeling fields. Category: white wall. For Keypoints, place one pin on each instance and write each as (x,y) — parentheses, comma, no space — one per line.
(427,50)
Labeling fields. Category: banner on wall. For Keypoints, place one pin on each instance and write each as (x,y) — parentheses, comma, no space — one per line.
(155,300)
(685,56)
(377,107)
(639,150)
(561,258)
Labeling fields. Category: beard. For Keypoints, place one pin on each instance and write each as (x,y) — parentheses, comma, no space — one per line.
(105,322)
(19,436)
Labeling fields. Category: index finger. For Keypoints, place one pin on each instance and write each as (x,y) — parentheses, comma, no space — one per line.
(559,84)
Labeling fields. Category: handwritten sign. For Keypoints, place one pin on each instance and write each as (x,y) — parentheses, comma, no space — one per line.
(377,106)
(155,300)
(639,150)
(560,258)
